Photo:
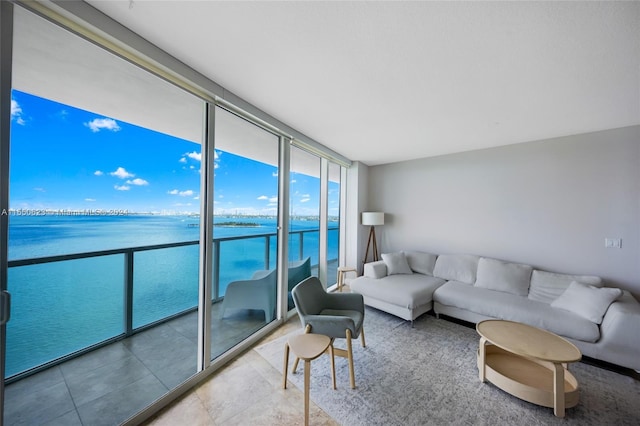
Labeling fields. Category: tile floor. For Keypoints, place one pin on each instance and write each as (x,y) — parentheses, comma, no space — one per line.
(247,391)
(110,384)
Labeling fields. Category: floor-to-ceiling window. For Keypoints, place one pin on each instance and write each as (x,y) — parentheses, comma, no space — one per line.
(245,229)
(109,255)
(105,184)
(333,221)
(304,208)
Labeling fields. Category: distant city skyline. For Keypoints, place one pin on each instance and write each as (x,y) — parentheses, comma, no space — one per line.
(65,158)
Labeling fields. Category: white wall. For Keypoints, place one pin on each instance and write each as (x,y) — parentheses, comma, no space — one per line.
(548,203)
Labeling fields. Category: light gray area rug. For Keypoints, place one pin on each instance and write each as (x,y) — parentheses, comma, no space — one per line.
(428,375)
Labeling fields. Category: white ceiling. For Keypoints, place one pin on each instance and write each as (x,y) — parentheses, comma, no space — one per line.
(381,82)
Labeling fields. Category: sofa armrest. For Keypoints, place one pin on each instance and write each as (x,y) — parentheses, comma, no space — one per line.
(376,269)
(619,332)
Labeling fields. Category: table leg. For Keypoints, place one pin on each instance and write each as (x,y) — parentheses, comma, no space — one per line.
(307,374)
(482,355)
(333,365)
(558,390)
(286,364)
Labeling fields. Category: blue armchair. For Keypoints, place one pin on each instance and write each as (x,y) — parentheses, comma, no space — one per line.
(298,271)
(337,315)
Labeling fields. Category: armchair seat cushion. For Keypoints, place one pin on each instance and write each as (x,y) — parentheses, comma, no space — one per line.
(335,322)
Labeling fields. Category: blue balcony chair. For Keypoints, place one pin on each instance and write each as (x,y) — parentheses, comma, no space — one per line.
(337,315)
(257,293)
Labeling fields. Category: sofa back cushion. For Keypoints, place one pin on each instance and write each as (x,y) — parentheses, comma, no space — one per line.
(420,262)
(456,267)
(504,276)
(396,263)
(548,286)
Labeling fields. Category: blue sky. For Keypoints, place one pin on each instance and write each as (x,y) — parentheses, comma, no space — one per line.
(66,158)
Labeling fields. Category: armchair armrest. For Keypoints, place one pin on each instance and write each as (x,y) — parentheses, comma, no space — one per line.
(376,269)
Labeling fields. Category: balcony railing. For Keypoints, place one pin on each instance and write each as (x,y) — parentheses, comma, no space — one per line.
(138,313)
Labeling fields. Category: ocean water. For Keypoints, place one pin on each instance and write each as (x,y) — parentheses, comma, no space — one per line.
(61,307)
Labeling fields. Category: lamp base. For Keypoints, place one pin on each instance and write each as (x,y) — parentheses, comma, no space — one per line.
(371,243)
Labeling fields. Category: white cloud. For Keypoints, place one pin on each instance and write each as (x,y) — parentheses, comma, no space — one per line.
(187,193)
(197,197)
(90,199)
(182,160)
(138,182)
(16,112)
(275,174)
(39,189)
(304,200)
(293,181)
(98,124)
(98,173)
(263,197)
(194,155)
(273,199)
(122,187)
(122,173)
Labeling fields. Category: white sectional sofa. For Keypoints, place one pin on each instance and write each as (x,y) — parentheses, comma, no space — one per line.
(604,323)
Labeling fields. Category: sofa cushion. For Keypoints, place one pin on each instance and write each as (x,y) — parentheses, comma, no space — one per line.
(501,305)
(396,263)
(587,301)
(456,267)
(406,291)
(503,276)
(420,262)
(548,286)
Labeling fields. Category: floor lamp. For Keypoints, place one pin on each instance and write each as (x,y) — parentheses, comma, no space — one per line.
(372,219)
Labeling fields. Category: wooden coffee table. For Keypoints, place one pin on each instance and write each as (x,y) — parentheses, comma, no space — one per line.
(528,363)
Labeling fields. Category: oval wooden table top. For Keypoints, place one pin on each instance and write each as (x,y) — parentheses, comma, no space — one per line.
(309,346)
(527,341)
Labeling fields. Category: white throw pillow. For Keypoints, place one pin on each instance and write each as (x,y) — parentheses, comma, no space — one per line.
(396,263)
(587,301)
(420,262)
(504,276)
(456,267)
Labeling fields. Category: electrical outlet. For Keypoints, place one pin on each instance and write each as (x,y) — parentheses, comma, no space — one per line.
(613,242)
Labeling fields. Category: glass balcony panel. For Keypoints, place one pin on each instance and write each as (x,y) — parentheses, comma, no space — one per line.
(62,307)
(165,283)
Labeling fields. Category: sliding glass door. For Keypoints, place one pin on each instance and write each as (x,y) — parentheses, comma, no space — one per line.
(245,230)
(103,230)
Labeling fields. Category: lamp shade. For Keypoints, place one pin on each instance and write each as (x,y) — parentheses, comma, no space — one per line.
(372,218)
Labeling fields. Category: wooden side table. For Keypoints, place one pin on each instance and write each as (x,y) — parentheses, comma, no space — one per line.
(342,270)
(308,347)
